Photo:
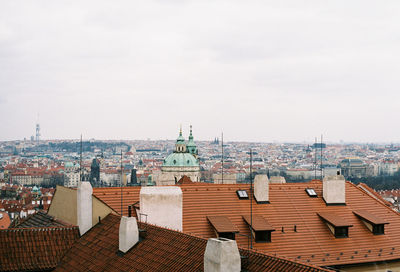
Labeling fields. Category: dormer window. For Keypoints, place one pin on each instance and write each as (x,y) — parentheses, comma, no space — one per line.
(337,225)
(223,227)
(260,228)
(375,224)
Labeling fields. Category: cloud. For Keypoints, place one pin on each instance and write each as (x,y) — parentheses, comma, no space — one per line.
(260,70)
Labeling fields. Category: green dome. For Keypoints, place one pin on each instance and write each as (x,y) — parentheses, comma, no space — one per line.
(69,164)
(180,159)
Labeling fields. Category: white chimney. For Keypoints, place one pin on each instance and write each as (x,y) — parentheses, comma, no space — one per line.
(162,205)
(128,233)
(334,191)
(261,189)
(221,255)
(84,206)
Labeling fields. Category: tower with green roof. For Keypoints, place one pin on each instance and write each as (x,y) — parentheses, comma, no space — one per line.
(182,162)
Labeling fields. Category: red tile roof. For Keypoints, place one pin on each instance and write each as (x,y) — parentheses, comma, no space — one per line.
(160,250)
(289,206)
(34,249)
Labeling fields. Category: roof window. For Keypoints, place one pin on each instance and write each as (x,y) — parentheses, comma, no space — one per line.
(375,224)
(242,194)
(223,226)
(260,228)
(337,225)
(310,192)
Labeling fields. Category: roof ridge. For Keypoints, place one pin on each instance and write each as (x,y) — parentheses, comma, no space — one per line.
(39,228)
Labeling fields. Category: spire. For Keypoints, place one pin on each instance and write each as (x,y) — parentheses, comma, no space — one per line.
(180,131)
(191,135)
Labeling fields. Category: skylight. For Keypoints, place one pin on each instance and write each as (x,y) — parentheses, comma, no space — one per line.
(242,194)
(311,192)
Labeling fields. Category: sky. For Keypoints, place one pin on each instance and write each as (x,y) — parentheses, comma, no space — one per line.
(270,71)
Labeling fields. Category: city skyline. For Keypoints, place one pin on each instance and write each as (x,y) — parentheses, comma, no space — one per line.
(260,71)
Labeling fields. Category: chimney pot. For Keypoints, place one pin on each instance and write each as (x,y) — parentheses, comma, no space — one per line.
(334,189)
(221,255)
(84,206)
(128,233)
(261,188)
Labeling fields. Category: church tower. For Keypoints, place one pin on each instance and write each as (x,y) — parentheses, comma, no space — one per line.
(191,146)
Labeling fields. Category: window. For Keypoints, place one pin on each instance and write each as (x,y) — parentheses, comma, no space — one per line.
(311,192)
(378,229)
(262,236)
(242,194)
(341,232)
(227,235)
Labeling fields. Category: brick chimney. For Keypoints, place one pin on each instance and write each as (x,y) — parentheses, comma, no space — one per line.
(128,233)
(84,206)
(221,255)
(261,189)
(162,205)
(334,190)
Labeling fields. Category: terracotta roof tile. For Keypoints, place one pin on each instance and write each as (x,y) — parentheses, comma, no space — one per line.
(160,250)
(34,249)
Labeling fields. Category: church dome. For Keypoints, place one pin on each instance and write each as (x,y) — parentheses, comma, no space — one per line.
(181,160)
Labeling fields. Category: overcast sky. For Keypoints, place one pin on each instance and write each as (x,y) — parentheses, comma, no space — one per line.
(257,70)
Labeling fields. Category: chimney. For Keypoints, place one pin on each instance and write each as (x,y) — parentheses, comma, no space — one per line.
(221,255)
(334,192)
(162,205)
(261,189)
(84,206)
(128,233)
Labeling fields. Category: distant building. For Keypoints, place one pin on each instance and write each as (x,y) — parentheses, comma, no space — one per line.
(182,162)
(95,172)
(353,167)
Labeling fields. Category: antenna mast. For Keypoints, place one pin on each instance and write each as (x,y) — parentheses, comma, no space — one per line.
(251,196)
(321,157)
(222,156)
(122,213)
(80,163)
(315,159)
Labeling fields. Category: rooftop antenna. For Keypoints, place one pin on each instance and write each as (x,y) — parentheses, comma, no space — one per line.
(251,196)
(80,163)
(122,213)
(321,158)
(222,156)
(315,159)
